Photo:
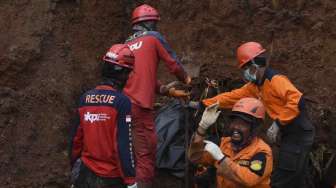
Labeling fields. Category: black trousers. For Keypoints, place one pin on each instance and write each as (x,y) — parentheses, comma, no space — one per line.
(292,165)
(88,179)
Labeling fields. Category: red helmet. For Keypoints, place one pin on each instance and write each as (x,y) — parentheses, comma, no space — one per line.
(248,51)
(250,106)
(144,13)
(121,55)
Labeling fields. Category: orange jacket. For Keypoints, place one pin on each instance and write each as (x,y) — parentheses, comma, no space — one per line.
(252,171)
(278,94)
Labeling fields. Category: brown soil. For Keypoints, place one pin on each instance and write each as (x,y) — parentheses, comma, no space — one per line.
(50,50)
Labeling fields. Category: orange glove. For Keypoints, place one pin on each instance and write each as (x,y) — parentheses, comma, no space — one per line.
(178,93)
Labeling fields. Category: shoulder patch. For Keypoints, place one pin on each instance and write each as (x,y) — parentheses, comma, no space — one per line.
(258,163)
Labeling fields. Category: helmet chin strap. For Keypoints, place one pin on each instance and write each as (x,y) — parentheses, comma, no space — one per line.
(144,26)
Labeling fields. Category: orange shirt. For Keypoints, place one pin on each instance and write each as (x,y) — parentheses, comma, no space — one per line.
(278,94)
(252,171)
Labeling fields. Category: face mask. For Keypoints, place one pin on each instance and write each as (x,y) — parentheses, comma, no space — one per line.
(252,77)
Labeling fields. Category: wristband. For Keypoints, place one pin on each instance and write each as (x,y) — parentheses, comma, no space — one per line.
(200,134)
(220,161)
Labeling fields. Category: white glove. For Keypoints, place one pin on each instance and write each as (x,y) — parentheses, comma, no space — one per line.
(209,116)
(135,185)
(272,132)
(214,150)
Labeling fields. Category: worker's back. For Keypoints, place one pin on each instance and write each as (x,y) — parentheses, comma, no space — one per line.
(148,48)
(102,138)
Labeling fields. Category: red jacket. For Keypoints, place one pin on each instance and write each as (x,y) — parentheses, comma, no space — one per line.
(102,135)
(148,48)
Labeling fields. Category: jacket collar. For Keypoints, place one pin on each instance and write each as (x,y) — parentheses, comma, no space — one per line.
(106,86)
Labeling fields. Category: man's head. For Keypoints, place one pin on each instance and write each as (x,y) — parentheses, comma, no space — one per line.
(118,63)
(247,114)
(145,17)
(252,61)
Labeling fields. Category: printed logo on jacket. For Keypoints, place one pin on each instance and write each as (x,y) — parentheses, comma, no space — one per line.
(100,99)
(95,117)
(135,46)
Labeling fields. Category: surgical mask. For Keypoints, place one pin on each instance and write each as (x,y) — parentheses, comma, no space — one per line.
(252,77)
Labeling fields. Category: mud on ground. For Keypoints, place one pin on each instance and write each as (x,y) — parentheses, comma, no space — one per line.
(50,50)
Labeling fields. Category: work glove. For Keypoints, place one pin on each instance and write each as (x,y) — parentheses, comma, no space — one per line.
(209,116)
(164,89)
(178,93)
(170,89)
(272,132)
(214,150)
(135,185)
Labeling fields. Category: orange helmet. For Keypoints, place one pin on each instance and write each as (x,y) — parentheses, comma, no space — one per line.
(248,51)
(247,107)
(121,55)
(145,13)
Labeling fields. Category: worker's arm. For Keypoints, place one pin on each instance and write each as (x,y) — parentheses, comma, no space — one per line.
(290,97)
(169,57)
(196,151)
(76,139)
(228,99)
(124,141)
(249,175)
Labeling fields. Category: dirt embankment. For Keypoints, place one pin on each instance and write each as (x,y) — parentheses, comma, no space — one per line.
(50,50)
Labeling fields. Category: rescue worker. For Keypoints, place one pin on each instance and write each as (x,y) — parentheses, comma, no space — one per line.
(101,141)
(149,47)
(286,107)
(242,159)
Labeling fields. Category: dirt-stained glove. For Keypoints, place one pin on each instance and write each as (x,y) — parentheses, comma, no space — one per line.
(214,150)
(272,132)
(164,89)
(135,185)
(170,90)
(178,93)
(209,116)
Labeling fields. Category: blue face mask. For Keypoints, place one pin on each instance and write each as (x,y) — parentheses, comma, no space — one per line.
(251,77)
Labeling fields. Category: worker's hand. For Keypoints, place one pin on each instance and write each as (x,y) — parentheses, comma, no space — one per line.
(194,105)
(272,132)
(214,150)
(178,93)
(135,185)
(187,80)
(164,89)
(209,116)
